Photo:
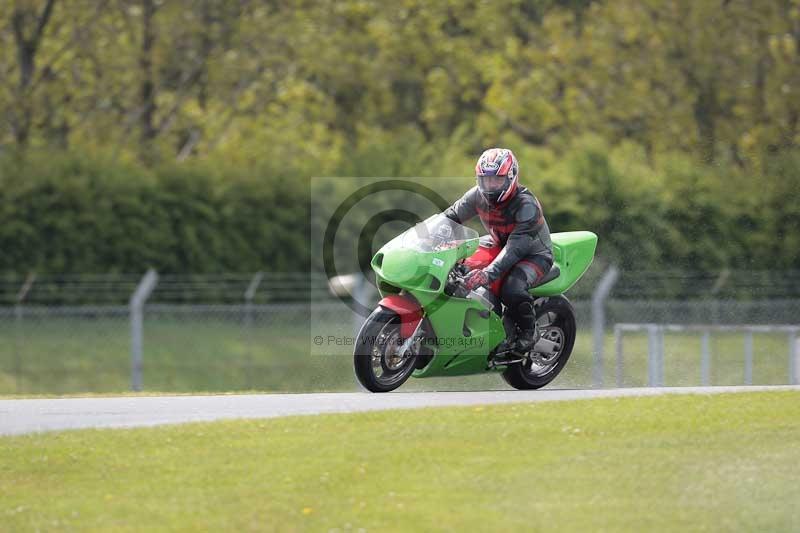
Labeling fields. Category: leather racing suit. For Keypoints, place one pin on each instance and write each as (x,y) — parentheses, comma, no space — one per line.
(520,251)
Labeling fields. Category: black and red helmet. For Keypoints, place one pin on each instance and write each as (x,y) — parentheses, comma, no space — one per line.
(497,173)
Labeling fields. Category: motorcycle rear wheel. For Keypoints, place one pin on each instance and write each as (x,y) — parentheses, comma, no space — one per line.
(556,320)
(378,364)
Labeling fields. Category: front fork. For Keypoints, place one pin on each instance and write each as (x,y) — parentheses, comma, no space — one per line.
(411,323)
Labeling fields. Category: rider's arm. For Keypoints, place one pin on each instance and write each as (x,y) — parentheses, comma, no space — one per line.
(464,208)
(520,242)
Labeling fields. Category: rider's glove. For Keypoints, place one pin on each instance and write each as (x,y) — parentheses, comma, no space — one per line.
(476,278)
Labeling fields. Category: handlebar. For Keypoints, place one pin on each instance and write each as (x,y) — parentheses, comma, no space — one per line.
(456,286)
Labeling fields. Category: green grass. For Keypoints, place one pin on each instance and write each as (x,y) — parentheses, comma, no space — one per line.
(71,355)
(701,463)
(189,354)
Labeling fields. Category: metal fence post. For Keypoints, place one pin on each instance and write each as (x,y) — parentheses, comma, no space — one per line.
(618,349)
(652,355)
(249,341)
(249,296)
(139,297)
(21,295)
(748,358)
(705,362)
(599,320)
(794,354)
(714,293)
(660,360)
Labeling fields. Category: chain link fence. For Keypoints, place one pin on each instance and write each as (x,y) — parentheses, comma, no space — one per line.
(285,332)
(62,349)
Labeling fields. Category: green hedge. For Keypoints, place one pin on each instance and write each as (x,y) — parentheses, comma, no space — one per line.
(66,214)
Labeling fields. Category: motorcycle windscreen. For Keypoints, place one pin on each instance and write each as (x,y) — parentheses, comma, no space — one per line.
(436,233)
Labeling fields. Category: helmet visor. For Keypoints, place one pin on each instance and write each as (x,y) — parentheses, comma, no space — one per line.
(492,183)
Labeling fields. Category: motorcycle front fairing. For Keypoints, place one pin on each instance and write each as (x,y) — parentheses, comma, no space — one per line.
(417,263)
(421,258)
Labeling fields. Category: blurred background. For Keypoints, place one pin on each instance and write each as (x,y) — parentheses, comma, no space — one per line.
(182,137)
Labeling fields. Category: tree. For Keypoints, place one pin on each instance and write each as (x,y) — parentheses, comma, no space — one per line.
(29,25)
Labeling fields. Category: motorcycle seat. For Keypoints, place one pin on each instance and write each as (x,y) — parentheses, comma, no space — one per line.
(550,276)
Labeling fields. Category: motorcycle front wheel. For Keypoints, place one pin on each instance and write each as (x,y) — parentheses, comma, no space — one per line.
(378,363)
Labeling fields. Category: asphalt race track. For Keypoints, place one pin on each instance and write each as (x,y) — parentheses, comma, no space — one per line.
(27,416)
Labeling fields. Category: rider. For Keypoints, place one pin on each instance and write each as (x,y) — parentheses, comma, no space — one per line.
(519,253)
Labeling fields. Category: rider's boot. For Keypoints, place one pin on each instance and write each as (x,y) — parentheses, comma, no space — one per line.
(510,341)
(504,348)
(529,334)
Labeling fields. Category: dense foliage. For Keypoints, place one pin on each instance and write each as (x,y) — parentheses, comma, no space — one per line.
(68,214)
(181,134)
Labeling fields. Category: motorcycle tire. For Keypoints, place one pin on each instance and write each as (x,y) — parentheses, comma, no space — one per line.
(377,365)
(556,319)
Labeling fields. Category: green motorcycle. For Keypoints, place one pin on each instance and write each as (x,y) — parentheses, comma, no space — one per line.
(427,324)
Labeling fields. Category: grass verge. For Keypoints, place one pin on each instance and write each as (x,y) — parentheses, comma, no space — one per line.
(717,462)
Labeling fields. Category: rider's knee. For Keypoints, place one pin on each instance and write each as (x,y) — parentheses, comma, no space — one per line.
(515,289)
